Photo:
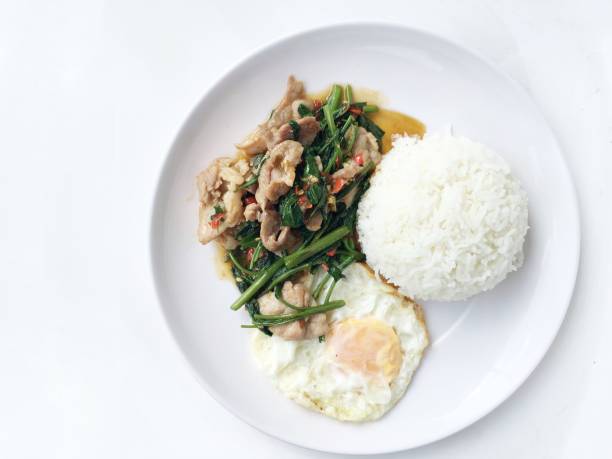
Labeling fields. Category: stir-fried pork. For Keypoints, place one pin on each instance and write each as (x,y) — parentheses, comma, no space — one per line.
(278,172)
(220,197)
(308,128)
(297,294)
(252,212)
(266,135)
(275,237)
(314,222)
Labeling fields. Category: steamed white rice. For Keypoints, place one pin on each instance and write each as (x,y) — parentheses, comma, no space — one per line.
(444,219)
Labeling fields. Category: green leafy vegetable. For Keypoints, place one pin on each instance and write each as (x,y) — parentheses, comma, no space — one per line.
(295,129)
(303,111)
(290,213)
(256,164)
(330,248)
(247,234)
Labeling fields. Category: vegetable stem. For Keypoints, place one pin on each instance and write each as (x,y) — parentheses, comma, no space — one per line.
(237,264)
(349,147)
(278,294)
(322,284)
(329,119)
(334,97)
(286,275)
(332,160)
(280,319)
(330,290)
(318,246)
(252,181)
(351,258)
(256,253)
(263,278)
(348,94)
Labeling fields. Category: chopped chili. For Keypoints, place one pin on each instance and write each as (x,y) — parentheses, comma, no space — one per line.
(216,219)
(304,202)
(338,184)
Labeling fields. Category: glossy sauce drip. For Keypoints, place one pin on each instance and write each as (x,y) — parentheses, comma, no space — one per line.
(396,123)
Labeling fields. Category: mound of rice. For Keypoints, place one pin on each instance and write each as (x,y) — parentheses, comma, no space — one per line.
(444,219)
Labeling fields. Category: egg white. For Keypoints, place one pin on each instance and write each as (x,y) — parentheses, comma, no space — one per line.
(306,372)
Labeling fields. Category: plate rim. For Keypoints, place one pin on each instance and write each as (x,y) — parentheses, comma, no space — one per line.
(347,25)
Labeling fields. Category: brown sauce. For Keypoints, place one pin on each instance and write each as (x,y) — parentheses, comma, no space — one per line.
(222,264)
(396,123)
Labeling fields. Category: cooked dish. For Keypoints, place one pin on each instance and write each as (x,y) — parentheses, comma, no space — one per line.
(293,209)
(285,207)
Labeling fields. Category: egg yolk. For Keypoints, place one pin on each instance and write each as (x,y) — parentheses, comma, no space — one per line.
(367,346)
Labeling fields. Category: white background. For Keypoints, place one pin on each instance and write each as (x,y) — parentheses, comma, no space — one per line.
(91,96)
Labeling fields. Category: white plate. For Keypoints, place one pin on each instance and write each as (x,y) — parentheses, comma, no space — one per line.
(482,349)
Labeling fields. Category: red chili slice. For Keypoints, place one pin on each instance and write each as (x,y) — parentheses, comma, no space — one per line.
(338,184)
(216,219)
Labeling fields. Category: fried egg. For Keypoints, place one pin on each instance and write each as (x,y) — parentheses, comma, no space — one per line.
(367,359)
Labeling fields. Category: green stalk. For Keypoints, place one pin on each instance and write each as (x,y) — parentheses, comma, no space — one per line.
(351,258)
(330,290)
(329,119)
(238,266)
(347,124)
(348,94)
(322,284)
(332,160)
(370,108)
(252,181)
(263,278)
(349,147)
(334,97)
(256,253)
(337,150)
(278,319)
(278,294)
(322,244)
(285,275)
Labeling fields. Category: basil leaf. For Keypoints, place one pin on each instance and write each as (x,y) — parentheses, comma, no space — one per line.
(290,212)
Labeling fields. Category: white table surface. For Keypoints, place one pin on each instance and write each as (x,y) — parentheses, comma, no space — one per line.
(91,96)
